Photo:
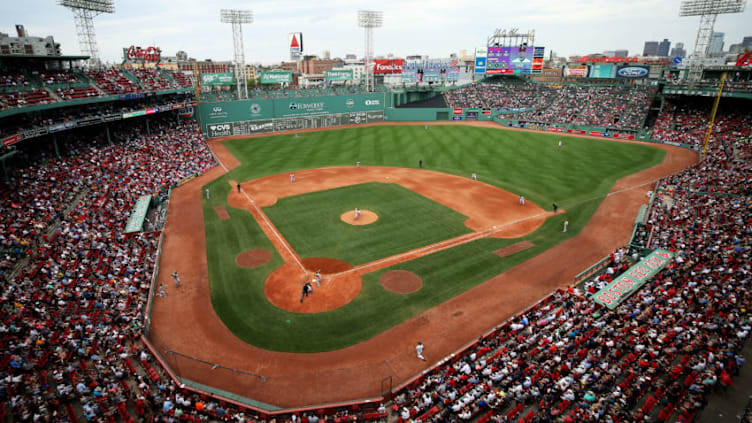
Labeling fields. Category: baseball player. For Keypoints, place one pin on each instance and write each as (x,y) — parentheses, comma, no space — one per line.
(419,350)
(207,193)
(556,208)
(566,223)
(426,127)
(307,289)
(292,177)
(161,291)
(176,278)
(238,187)
(559,143)
(522,200)
(317,278)
(357,164)
(475,177)
(357,213)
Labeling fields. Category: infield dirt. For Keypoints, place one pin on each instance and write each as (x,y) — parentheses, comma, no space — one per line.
(356,372)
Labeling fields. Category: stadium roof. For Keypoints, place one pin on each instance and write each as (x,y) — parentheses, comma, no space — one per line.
(41,56)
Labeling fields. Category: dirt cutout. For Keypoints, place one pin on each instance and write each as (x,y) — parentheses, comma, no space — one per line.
(366,217)
(253,258)
(222,212)
(514,248)
(401,281)
(284,286)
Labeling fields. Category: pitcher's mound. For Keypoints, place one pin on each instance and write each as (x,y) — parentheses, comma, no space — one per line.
(284,286)
(366,217)
(253,258)
(401,281)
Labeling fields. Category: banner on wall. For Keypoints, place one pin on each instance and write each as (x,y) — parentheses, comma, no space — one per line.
(633,279)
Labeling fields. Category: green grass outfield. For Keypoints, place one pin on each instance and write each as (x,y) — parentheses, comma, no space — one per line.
(575,177)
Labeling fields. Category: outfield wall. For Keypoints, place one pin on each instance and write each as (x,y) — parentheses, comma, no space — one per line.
(244,117)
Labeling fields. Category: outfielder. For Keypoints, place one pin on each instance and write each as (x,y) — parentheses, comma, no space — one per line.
(559,143)
(475,177)
(566,223)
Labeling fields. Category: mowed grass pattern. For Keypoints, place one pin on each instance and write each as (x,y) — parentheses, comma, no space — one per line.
(312,226)
(576,177)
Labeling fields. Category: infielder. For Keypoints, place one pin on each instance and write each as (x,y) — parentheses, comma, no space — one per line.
(419,350)
(522,200)
(357,213)
(176,279)
(357,164)
(475,177)
(292,177)
(317,278)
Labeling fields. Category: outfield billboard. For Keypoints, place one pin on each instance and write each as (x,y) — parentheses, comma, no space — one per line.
(225,78)
(382,66)
(276,77)
(481,55)
(633,71)
(339,75)
(601,71)
(410,76)
(575,71)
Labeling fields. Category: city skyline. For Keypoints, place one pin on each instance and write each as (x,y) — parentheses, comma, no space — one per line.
(576,28)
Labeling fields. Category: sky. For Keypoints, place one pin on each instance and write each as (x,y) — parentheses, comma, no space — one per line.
(434,27)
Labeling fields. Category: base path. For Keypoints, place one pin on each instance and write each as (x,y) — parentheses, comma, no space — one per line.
(185,320)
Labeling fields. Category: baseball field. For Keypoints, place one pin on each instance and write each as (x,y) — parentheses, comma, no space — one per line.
(436,256)
(576,177)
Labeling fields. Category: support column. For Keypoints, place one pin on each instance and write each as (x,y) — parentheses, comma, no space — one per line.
(107,131)
(148,130)
(54,143)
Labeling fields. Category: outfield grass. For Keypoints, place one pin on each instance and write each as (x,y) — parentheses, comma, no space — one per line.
(311,223)
(576,177)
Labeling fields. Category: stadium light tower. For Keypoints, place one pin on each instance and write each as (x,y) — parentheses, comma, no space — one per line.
(237,18)
(369,19)
(708,11)
(84,12)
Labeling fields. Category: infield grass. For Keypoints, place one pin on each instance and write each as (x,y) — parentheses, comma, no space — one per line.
(311,223)
(576,177)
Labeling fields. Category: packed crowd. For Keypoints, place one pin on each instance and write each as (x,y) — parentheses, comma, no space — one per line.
(613,107)
(685,119)
(112,81)
(656,357)
(55,76)
(153,80)
(72,311)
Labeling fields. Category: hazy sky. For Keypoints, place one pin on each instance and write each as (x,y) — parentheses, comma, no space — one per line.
(433,27)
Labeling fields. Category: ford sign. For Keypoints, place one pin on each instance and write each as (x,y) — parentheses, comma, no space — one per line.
(632,72)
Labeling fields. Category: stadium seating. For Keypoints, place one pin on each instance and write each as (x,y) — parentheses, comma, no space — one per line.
(616,106)
(112,81)
(153,80)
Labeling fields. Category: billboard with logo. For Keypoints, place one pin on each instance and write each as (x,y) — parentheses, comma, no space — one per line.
(575,71)
(295,41)
(276,77)
(383,66)
(338,75)
(481,55)
(410,76)
(226,78)
(633,71)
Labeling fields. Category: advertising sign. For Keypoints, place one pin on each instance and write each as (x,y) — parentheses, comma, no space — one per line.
(432,75)
(633,71)
(744,59)
(576,71)
(590,59)
(11,140)
(481,53)
(137,54)
(226,78)
(601,71)
(633,279)
(515,58)
(338,75)
(457,111)
(452,74)
(276,77)
(382,66)
(295,41)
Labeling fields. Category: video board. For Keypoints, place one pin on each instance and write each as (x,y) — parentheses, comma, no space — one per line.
(508,60)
